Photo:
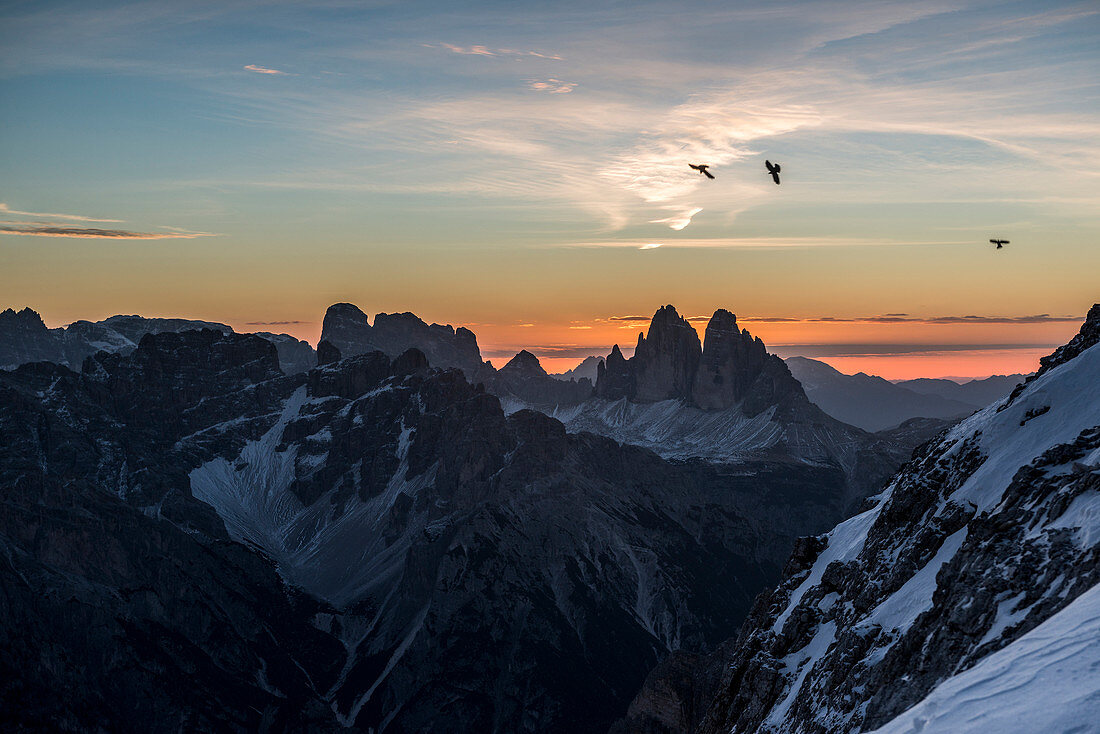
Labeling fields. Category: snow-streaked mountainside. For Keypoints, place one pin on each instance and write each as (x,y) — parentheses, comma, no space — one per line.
(964,599)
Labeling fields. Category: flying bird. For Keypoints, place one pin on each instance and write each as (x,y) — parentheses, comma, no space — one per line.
(701,168)
(773,169)
(999,243)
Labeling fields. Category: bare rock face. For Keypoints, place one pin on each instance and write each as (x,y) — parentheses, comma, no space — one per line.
(731,361)
(25,338)
(731,369)
(295,355)
(346,327)
(614,377)
(665,361)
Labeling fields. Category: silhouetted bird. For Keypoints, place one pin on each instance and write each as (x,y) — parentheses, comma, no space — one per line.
(701,168)
(999,243)
(773,169)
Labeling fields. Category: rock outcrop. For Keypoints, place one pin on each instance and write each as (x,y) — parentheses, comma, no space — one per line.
(730,369)
(666,360)
(346,327)
(588,367)
(25,338)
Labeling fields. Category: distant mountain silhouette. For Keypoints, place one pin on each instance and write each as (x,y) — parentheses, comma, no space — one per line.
(587,368)
(870,402)
(978,392)
(24,338)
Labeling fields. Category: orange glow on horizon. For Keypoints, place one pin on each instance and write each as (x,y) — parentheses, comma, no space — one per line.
(997,348)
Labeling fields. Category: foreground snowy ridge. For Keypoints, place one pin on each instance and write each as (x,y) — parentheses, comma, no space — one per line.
(964,600)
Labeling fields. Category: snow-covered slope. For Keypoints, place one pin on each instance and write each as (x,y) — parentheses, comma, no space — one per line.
(965,594)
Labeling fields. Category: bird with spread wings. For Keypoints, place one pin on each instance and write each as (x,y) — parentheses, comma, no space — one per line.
(701,168)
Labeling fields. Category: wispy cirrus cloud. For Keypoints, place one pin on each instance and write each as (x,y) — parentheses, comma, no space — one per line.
(676,222)
(12,228)
(478,50)
(7,210)
(552,86)
(277,323)
(255,68)
(762,243)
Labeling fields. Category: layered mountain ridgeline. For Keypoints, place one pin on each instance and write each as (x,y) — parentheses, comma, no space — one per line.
(589,367)
(875,404)
(974,392)
(125,606)
(870,402)
(24,338)
(964,600)
(522,382)
(440,561)
(727,400)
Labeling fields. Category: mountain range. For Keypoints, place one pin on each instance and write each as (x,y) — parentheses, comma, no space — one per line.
(374,543)
(197,535)
(875,404)
(25,338)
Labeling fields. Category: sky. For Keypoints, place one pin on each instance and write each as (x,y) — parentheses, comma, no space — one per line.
(522,169)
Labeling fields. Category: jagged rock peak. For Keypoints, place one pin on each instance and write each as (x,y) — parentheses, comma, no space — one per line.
(722,322)
(667,358)
(346,328)
(525,364)
(1089,335)
(1085,338)
(26,315)
(731,362)
(615,377)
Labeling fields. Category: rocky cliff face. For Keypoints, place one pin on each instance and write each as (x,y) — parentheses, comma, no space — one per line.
(666,360)
(346,327)
(964,599)
(24,338)
(730,369)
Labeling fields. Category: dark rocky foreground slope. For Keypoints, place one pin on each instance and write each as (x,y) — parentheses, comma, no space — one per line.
(124,605)
(964,600)
(194,540)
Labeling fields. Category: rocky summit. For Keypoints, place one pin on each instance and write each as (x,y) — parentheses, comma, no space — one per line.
(346,328)
(729,369)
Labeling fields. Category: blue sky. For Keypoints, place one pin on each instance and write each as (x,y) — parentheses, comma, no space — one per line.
(503,164)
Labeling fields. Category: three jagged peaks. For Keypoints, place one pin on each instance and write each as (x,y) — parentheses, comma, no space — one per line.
(730,367)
